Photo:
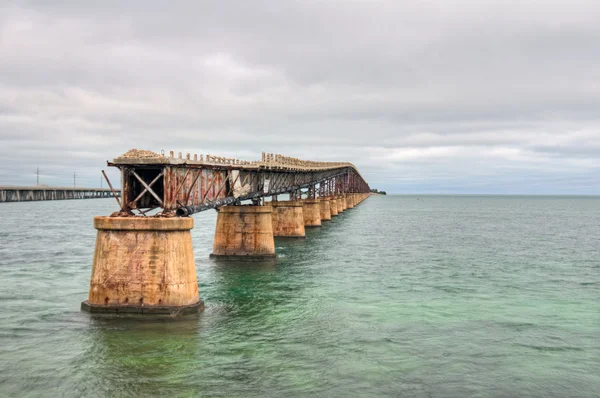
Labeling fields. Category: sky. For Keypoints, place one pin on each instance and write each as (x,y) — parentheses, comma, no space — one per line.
(437,96)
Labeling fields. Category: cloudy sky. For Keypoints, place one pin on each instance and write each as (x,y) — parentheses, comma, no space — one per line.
(438,96)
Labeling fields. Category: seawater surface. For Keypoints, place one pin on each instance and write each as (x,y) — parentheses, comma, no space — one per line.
(431,296)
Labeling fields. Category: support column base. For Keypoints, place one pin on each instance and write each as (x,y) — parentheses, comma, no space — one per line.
(241,257)
(142,309)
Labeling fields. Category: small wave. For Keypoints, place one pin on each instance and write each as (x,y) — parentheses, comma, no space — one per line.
(550,348)
(518,325)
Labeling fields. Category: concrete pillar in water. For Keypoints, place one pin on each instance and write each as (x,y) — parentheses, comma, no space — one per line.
(333,207)
(312,213)
(325,208)
(143,265)
(244,232)
(340,205)
(344,204)
(350,200)
(288,219)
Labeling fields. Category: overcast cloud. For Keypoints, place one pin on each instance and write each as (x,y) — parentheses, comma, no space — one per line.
(440,96)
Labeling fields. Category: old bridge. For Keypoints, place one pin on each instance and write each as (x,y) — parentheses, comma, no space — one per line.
(144,260)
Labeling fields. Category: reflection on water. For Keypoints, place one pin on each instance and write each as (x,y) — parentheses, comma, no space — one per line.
(443,296)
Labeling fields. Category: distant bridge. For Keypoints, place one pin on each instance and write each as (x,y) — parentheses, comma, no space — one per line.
(26,194)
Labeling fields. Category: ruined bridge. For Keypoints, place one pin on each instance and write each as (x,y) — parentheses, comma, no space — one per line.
(190,184)
(145,264)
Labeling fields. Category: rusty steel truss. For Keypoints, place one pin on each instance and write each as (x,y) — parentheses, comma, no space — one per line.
(186,185)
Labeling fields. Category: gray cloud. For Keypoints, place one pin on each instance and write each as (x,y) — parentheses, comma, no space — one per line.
(441,96)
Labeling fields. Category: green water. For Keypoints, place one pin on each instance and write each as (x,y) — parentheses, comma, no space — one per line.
(401,296)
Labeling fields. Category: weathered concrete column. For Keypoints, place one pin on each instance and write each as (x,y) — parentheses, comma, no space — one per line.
(344,204)
(333,207)
(312,213)
(340,204)
(350,200)
(288,219)
(143,265)
(325,208)
(244,232)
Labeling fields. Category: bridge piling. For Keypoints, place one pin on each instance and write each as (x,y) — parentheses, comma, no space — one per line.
(312,212)
(333,206)
(340,204)
(288,219)
(143,265)
(244,232)
(325,209)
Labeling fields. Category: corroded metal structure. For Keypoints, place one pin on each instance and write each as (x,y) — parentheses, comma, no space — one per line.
(146,264)
(183,185)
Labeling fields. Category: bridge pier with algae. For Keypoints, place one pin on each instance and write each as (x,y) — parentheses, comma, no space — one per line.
(288,219)
(244,232)
(143,265)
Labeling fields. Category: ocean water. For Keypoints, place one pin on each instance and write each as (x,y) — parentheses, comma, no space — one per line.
(430,296)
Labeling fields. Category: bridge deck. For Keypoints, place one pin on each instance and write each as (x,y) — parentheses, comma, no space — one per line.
(194,183)
(12,193)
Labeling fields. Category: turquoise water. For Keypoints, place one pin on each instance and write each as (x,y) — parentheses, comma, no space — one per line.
(402,296)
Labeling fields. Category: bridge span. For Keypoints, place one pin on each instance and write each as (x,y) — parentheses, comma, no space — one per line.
(144,261)
(27,194)
(189,184)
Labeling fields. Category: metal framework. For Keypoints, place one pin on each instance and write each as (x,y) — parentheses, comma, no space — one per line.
(183,186)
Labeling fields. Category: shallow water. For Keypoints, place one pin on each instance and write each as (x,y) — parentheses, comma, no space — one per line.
(402,296)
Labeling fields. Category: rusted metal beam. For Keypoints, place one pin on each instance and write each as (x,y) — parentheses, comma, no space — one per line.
(112,189)
(141,180)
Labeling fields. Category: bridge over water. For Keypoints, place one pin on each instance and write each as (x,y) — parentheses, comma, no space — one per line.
(194,183)
(25,194)
(144,261)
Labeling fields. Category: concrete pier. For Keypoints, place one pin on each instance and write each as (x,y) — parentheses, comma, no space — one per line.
(340,204)
(312,212)
(350,200)
(143,265)
(325,209)
(333,207)
(288,219)
(244,232)
(344,204)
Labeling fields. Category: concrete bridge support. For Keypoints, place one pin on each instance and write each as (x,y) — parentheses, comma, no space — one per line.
(143,265)
(340,204)
(244,232)
(325,208)
(333,207)
(288,219)
(350,200)
(312,212)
